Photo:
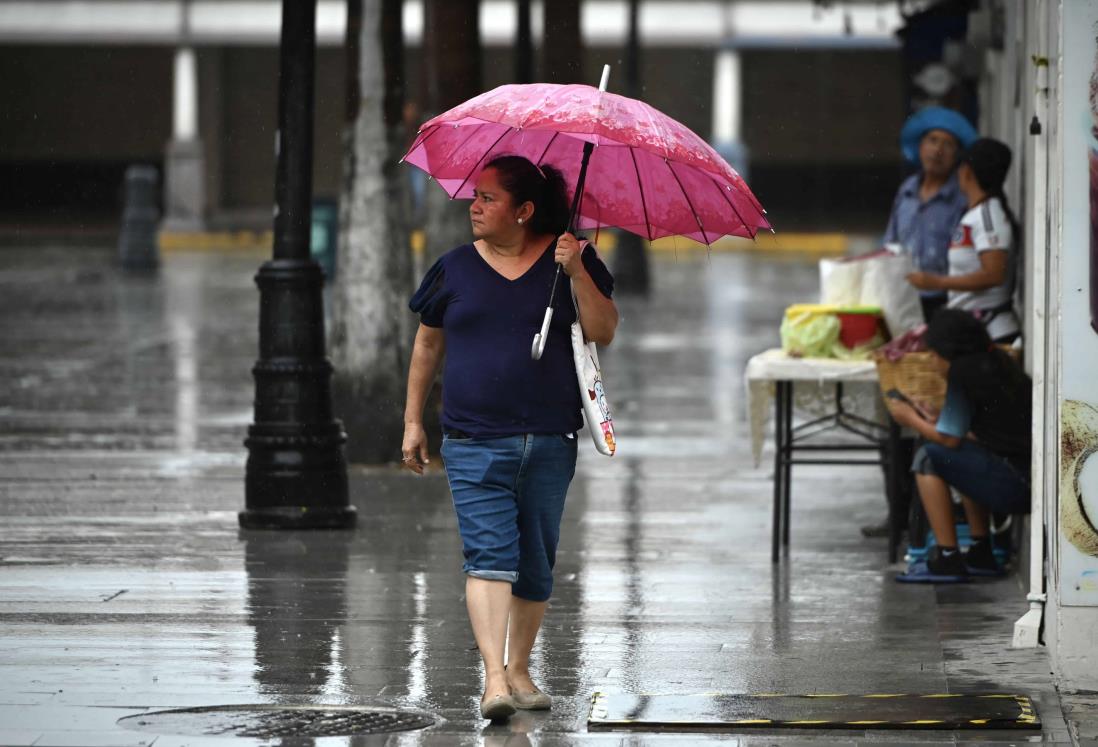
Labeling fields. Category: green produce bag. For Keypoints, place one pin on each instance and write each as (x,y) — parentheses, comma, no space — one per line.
(810,334)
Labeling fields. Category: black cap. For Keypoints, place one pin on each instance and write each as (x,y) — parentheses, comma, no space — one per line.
(990,162)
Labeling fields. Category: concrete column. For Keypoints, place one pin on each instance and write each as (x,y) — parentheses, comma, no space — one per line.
(184,162)
(211,123)
(728,109)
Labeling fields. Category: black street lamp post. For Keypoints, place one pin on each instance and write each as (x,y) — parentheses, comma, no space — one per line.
(296,477)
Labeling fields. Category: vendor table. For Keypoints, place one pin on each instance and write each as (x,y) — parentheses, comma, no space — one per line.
(775,371)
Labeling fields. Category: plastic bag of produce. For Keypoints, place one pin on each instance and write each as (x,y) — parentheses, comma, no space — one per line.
(807,333)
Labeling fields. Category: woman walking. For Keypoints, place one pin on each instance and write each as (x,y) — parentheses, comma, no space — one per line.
(509,422)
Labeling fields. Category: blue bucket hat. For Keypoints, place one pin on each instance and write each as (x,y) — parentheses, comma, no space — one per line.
(934,118)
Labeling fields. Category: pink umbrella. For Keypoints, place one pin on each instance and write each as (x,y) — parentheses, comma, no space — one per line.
(648,174)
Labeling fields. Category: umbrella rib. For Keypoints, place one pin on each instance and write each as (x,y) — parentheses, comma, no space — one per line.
(422,139)
(480,160)
(457,150)
(688,202)
(547,147)
(640,186)
(731,205)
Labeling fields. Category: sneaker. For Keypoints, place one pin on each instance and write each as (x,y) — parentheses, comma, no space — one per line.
(980,559)
(936,569)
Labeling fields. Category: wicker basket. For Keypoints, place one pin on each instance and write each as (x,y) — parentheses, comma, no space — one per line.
(915,376)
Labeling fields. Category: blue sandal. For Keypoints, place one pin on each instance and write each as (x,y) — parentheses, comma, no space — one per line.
(920,573)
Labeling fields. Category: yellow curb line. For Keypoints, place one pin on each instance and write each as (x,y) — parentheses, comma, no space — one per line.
(819,244)
(215,241)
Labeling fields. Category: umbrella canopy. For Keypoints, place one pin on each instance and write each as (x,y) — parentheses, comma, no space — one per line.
(648,174)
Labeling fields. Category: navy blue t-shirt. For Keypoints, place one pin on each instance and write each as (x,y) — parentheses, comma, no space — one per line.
(491,387)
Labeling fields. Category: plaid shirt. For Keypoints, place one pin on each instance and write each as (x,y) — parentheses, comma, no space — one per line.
(925,228)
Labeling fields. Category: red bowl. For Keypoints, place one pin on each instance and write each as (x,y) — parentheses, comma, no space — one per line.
(855,329)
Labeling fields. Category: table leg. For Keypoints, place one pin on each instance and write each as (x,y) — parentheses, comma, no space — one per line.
(779,471)
(787,478)
(894,473)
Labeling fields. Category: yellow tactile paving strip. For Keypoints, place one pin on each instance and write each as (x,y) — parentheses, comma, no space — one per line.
(946,711)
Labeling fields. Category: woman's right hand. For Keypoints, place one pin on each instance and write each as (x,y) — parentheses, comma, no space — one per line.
(414,449)
(929,412)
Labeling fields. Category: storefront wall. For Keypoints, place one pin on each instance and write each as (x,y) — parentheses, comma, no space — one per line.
(1073,630)
(1057,188)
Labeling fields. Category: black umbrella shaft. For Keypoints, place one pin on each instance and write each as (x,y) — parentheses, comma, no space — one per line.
(577,198)
(573,213)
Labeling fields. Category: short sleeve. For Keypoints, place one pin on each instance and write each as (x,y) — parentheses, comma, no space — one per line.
(431,298)
(991,230)
(598,271)
(892,230)
(956,416)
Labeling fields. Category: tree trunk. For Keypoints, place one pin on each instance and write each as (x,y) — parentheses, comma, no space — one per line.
(524,45)
(562,50)
(453,74)
(371,324)
(631,271)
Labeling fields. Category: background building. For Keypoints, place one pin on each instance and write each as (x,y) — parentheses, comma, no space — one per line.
(809,95)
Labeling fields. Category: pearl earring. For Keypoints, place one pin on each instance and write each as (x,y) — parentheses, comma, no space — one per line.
(520,221)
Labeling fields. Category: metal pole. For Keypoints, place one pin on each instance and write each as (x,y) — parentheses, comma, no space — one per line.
(296,477)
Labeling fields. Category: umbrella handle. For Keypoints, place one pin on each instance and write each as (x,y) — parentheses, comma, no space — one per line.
(540,338)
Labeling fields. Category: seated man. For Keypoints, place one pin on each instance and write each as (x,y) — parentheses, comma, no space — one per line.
(979,445)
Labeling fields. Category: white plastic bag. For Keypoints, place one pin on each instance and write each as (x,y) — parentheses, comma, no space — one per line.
(884,284)
(878,279)
(840,282)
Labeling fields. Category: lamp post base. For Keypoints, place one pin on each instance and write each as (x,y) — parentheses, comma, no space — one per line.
(298,517)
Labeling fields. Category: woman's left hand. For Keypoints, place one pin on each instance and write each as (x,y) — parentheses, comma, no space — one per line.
(924,280)
(567,254)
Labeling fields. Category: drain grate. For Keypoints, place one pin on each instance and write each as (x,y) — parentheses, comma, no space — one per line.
(264,722)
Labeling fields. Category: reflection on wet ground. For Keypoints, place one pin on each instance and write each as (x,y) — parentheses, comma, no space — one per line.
(125,584)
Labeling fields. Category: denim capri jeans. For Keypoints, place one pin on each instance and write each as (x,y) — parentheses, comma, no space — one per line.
(987,478)
(509,497)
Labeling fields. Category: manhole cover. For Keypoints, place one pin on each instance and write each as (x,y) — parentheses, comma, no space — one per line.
(264,722)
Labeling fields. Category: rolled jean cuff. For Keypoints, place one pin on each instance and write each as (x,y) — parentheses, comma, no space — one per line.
(921,464)
(508,576)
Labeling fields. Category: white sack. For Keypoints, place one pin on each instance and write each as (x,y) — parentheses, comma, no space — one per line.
(840,282)
(884,284)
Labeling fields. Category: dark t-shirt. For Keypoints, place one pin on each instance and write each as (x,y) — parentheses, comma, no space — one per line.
(491,387)
(995,408)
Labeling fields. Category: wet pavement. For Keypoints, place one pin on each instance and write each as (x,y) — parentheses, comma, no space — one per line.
(126,587)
